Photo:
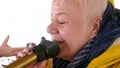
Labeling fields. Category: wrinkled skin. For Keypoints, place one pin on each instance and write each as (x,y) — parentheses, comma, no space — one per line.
(69,28)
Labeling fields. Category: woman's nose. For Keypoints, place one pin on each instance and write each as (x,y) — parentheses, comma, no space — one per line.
(52,28)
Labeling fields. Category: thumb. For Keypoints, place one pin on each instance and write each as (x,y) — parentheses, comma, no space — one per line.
(4,43)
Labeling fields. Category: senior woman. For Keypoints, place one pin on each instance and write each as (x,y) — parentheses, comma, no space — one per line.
(85,31)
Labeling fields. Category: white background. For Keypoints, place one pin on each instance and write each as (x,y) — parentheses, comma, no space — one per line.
(25,20)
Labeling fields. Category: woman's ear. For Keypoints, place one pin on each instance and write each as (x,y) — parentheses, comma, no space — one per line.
(96,26)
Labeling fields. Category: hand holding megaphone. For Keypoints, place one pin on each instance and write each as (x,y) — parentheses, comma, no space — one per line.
(46,49)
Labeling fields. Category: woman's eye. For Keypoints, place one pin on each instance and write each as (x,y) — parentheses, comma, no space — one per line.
(61,22)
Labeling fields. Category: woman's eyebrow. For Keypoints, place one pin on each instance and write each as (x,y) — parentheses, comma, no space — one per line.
(62,13)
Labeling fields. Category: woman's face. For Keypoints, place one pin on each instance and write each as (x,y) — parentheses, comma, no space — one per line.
(69,28)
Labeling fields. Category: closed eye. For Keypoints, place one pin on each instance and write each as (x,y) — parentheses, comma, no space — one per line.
(61,22)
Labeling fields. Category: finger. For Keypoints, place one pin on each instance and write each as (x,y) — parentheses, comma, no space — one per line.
(32,65)
(31,45)
(5,41)
(21,54)
(42,64)
(28,51)
(18,49)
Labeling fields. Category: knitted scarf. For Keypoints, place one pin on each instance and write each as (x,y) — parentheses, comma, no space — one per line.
(109,31)
(61,63)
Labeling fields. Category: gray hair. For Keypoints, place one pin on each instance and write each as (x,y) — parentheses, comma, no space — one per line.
(93,8)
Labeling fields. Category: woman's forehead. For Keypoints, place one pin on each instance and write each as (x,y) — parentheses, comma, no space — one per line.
(71,7)
(68,4)
(75,2)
